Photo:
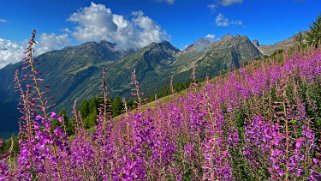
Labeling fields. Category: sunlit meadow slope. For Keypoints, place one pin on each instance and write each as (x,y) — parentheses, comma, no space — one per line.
(261,122)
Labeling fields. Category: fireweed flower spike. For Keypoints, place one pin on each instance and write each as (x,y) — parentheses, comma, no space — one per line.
(135,90)
(33,75)
(171,85)
(193,78)
(103,143)
(39,143)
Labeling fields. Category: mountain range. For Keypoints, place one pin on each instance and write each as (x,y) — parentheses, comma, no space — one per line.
(74,72)
(270,49)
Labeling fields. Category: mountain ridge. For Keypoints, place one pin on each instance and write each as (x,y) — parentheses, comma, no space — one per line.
(75,72)
(281,45)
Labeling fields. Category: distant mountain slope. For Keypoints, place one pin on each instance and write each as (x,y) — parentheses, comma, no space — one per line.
(75,72)
(64,70)
(148,63)
(229,51)
(282,45)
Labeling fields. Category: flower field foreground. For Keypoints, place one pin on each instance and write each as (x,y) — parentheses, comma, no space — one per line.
(257,123)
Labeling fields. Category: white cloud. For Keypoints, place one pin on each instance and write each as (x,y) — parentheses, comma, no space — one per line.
(222,21)
(230,2)
(168,1)
(210,37)
(97,22)
(12,52)
(3,21)
(94,22)
(218,3)
(51,41)
(212,7)
(148,31)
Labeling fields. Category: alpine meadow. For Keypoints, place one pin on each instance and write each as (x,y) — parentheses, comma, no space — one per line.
(109,96)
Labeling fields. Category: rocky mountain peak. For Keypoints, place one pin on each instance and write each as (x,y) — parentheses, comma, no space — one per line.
(256,43)
(163,46)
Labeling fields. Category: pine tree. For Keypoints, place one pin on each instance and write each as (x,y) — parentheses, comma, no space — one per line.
(299,38)
(90,119)
(67,121)
(117,106)
(84,109)
(314,35)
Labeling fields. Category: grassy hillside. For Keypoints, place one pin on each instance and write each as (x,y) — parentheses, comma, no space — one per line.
(260,122)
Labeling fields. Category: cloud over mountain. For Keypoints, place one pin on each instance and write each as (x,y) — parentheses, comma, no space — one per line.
(51,41)
(97,22)
(12,52)
(210,37)
(93,23)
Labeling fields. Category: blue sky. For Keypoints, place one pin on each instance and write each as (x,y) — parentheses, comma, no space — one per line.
(136,23)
